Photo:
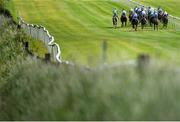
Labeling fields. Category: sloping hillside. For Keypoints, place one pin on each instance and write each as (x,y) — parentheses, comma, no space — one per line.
(79,26)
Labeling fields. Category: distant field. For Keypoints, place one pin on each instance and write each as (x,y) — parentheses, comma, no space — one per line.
(171,6)
(79,26)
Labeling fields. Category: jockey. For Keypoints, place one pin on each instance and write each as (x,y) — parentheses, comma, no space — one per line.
(139,10)
(135,9)
(145,10)
(123,12)
(149,10)
(135,15)
(155,14)
(152,10)
(142,8)
(160,10)
(115,12)
(165,14)
(131,10)
(143,13)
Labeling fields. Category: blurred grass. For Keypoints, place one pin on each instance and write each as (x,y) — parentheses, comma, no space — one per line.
(36,91)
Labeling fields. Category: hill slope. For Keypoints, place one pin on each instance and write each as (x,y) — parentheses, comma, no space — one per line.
(79,26)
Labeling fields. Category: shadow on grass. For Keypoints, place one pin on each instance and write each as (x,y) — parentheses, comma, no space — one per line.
(111,27)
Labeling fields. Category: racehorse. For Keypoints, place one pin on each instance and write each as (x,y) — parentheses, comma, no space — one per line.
(155,22)
(123,20)
(143,21)
(165,21)
(115,20)
(134,23)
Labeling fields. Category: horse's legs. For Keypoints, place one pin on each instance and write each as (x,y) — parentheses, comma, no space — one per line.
(165,25)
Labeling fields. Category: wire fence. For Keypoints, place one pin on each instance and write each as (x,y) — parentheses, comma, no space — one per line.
(42,34)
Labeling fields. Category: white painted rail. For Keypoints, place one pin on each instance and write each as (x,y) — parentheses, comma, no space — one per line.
(42,34)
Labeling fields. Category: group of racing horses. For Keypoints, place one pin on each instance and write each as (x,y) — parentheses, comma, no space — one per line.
(142,19)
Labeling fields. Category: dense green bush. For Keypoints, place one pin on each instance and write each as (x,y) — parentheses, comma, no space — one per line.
(10,47)
(3,9)
(36,91)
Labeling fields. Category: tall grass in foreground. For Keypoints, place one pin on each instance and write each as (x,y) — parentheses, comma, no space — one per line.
(36,91)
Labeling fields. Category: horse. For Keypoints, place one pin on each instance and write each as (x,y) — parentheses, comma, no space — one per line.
(143,21)
(115,20)
(165,21)
(134,23)
(123,20)
(155,22)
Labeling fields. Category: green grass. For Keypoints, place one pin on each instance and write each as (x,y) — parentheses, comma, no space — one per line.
(10,48)
(36,91)
(80,26)
(37,47)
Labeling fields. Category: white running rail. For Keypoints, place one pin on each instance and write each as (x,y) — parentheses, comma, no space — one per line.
(42,34)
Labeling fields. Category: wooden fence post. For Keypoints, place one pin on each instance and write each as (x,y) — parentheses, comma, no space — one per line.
(143,62)
(26,46)
(47,57)
(104,51)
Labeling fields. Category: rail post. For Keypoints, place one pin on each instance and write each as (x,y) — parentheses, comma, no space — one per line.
(47,57)
(104,51)
(143,61)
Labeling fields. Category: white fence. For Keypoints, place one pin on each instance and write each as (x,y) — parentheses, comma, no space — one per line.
(40,33)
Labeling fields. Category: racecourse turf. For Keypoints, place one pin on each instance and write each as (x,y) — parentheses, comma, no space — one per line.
(80,26)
